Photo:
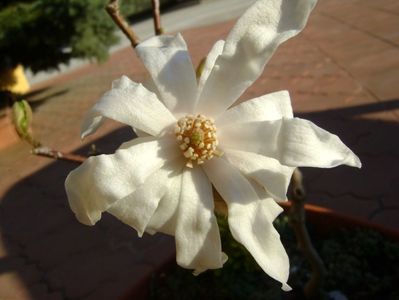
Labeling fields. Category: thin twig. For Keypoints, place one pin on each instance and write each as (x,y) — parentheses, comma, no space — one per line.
(157,17)
(113,10)
(313,288)
(47,152)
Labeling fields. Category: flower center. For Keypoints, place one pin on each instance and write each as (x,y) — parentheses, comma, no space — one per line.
(197,139)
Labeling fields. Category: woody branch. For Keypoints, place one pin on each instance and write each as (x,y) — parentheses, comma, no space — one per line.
(113,10)
(157,17)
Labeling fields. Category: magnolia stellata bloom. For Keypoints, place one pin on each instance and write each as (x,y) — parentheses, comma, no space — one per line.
(189,139)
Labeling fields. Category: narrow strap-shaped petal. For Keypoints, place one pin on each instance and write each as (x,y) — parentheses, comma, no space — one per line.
(169,64)
(268,107)
(198,244)
(137,208)
(250,218)
(132,104)
(209,63)
(104,179)
(293,142)
(250,44)
(266,171)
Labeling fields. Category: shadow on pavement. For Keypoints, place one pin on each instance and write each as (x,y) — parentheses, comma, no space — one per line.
(372,191)
(56,257)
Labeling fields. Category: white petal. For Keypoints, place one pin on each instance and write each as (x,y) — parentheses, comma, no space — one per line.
(250,218)
(293,142)
(266,171)
(137,208)
(165,216)
(209,63)
(250,44)
(104,179)
(198,244)
(149,85)
(132,104)
(265,108)
(169,64)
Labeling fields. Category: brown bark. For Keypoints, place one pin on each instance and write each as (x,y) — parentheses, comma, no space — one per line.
(156,14)
(113,10)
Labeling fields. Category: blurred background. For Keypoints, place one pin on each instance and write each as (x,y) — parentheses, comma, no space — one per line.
(62,55)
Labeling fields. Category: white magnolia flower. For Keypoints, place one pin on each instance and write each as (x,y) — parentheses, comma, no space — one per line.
(190,140)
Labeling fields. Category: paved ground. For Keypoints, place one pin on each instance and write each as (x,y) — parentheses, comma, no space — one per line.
(343,74)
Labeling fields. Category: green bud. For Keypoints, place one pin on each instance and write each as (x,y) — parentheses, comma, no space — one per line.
(22,118)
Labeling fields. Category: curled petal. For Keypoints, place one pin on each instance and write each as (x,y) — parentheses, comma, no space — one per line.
(266,171)
(268,107)
(104,179)
(293,142)
(137,208)
(249,46)
(169,64)
(198,244)
(132,104)
(250,218)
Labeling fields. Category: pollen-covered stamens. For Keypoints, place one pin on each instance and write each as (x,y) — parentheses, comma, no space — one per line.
(197,138)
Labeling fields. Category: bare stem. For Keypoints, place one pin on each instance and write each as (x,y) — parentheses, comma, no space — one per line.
(313,288)
(47,152)
(113,10)
(157,17)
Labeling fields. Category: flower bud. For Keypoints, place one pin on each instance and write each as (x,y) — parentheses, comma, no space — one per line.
(22,118)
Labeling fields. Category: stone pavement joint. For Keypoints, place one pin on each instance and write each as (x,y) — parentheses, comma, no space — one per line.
(342,73)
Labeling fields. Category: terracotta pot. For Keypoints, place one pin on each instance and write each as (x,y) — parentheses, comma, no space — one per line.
(327,220)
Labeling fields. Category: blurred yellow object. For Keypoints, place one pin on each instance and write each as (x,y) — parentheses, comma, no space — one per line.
(14,80)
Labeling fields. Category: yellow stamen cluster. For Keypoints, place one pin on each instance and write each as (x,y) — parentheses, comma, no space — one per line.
(197,138)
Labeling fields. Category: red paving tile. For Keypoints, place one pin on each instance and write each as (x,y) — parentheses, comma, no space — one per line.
(342,73)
